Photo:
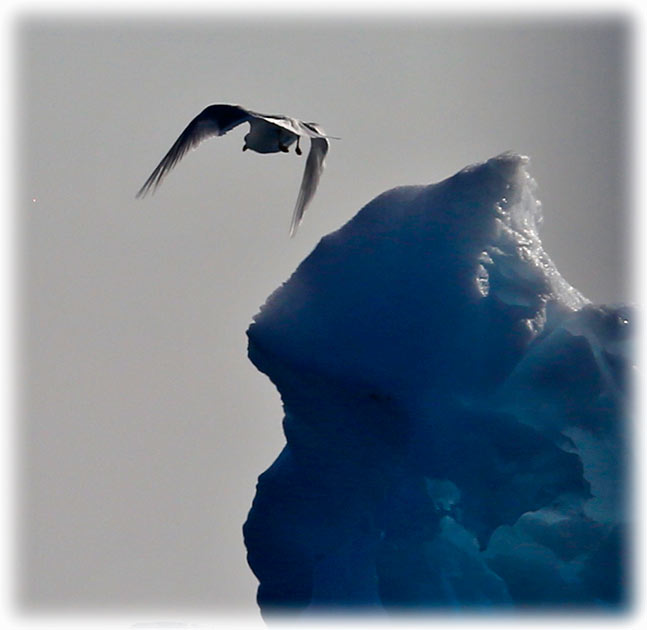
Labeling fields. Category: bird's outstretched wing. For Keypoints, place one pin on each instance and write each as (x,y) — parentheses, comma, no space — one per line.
(311,175)
(215,120)
(285,122)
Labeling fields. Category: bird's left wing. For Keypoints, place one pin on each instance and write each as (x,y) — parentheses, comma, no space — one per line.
(311,175)
(215,120)
(285,122)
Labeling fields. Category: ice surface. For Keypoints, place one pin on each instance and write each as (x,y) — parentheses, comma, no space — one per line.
(454,413)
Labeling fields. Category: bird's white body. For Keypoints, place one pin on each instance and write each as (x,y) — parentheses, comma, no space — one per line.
(266,137)
(267,134)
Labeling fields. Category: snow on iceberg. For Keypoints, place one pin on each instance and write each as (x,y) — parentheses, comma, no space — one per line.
(454,413)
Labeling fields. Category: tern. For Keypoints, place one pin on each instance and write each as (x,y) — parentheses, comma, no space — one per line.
(268,134)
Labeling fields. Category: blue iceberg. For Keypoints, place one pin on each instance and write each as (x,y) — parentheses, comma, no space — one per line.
(454,414)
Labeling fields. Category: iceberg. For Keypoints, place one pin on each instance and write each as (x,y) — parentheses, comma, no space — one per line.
(455,414)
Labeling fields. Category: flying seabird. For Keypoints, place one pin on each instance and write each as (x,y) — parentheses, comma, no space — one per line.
(268,134)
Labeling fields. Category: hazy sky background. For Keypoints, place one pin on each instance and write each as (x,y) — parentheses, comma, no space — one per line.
(143,424)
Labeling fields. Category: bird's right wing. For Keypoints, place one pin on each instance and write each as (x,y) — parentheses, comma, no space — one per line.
(311,175)
(215,120)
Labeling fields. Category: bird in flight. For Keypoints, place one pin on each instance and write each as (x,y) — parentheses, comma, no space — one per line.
(267,134)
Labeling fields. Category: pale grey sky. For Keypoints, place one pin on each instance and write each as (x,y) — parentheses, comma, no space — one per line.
(143,424)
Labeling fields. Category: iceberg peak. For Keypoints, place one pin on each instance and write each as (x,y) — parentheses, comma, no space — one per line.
(453,412)
(471,239)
